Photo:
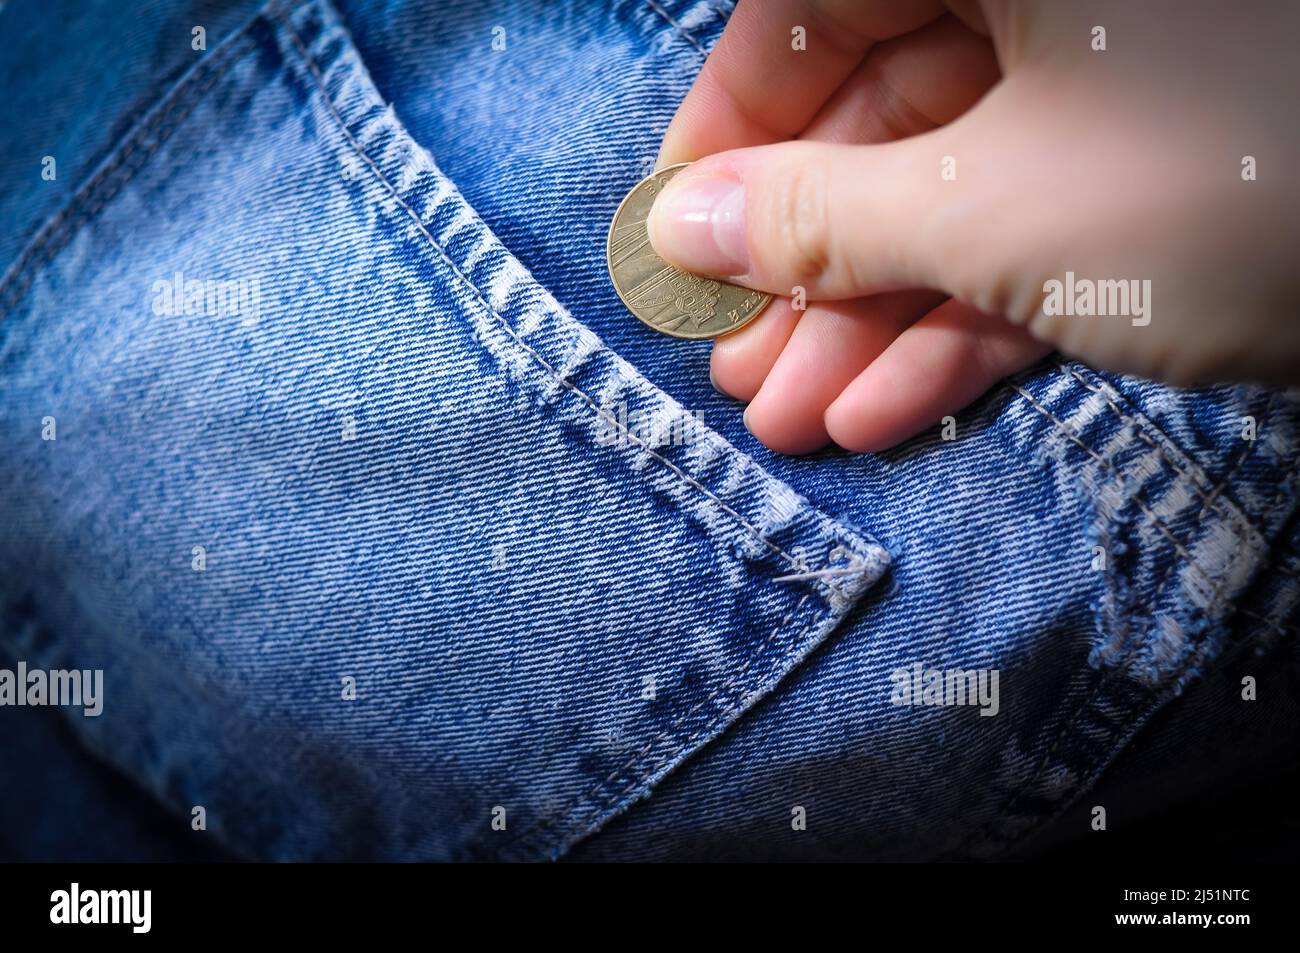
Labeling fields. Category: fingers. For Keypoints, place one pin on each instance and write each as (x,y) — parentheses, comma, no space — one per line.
(909,85)
(936,367)
(831,345)
(905,86)
(839,221)
(865,374)
(757,87)
(741,360)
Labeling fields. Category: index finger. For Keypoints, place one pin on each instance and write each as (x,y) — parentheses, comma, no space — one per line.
(758,86)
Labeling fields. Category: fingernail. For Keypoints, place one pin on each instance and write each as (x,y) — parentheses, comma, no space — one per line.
(698,223)
(744,418)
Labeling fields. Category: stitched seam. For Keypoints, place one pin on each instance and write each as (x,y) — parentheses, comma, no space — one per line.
(722,10)
(1105,680)
(677,26)
(478,295)
(53,236)
(1272,507)
(537,830)
(1004,839)
(1209,502)
(1193,478)
(1179,547)
(1200,514)
(1156,593)
(1004,842)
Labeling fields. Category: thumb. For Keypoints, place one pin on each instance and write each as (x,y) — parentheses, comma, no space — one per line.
(838,220)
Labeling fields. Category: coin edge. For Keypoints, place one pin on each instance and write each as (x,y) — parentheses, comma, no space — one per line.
(609,234)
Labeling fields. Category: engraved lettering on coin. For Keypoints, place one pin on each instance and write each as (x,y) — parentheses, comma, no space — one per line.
(668,299)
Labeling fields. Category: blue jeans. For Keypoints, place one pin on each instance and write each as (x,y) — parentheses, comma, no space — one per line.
(395,536)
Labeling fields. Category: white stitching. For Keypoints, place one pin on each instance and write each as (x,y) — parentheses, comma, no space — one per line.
(1179,547)
(328,101)
(677,26)
(1210,500)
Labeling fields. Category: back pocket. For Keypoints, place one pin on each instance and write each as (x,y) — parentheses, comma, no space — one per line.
(383,554)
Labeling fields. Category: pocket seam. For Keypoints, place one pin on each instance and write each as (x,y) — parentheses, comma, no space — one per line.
(1193,474)
(996,835)
(164,117)
(768,661)
(677,27)
(308,60)
(526,841)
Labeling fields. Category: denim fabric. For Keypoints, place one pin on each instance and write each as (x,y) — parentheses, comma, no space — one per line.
(409,467)
(76,77)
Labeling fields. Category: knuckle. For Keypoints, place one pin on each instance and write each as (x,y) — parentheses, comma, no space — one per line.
(998,266)
(798,212)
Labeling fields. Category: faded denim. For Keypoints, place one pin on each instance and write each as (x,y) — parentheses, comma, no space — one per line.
(399,472)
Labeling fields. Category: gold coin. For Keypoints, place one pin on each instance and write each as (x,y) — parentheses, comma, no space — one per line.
(668,299)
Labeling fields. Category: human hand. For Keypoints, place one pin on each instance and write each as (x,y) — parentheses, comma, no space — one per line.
(918,164)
